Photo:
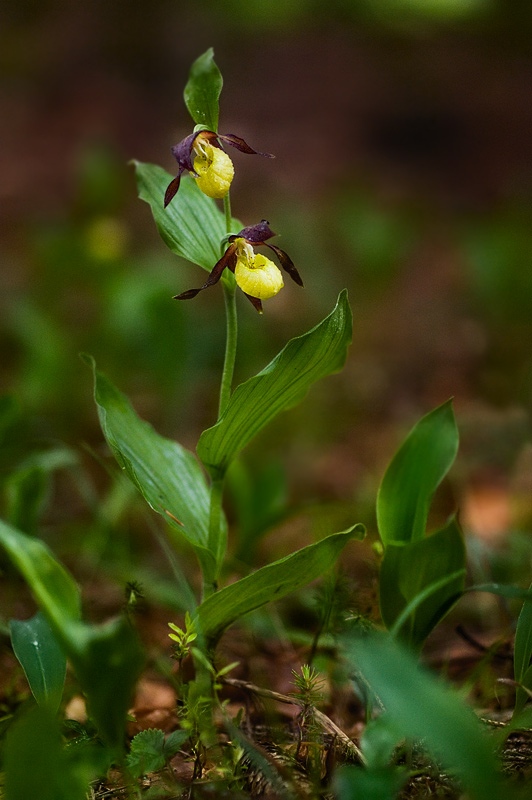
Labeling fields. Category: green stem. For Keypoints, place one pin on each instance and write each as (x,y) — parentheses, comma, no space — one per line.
(231,328)
(215,518)
(227,210)
(230,349)
(215,513)
(215,510)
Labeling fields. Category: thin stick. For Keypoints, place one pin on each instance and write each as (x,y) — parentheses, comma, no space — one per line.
(326,722)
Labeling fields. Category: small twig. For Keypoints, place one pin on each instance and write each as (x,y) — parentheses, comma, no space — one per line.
(326,722)
(510,682)
(110,792)
(461,631)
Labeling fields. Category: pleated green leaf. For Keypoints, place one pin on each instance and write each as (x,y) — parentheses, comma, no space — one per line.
(41,657)
(167,475)
(271,582)
(202,91)
(192,225)
(281,385)
(414,474)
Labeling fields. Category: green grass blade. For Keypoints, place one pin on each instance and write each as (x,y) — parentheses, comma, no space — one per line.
(522,654)
(523,635)
(502,590)
(430,713)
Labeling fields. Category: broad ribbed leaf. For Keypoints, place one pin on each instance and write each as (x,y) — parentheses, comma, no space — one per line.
(428,712)
(42,659)
(192,225)
(410,569)
(414,474)
(282,384)
(168,476)
(272,582)
(203,91)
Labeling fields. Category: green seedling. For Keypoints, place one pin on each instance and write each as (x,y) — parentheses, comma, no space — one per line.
(182,639)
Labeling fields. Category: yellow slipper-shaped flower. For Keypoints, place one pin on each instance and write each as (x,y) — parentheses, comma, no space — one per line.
(214,170)
(201,154)
(257,276)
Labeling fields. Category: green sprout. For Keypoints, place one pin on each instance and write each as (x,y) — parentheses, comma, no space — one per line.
(182,638)
(308,685)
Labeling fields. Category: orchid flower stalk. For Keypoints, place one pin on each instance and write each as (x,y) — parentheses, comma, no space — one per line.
(203,156)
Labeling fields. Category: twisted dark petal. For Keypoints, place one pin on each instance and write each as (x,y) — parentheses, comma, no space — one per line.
(188,295)
(227,260)
(171,190)
(183,151)
(240,144)
(211,137)
(286,263)
(256,234)
(255,302)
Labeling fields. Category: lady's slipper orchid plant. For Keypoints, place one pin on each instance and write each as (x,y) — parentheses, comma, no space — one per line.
(257,276)
(212,168)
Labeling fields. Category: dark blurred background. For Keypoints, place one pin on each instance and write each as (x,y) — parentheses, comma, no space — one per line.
(402,134)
